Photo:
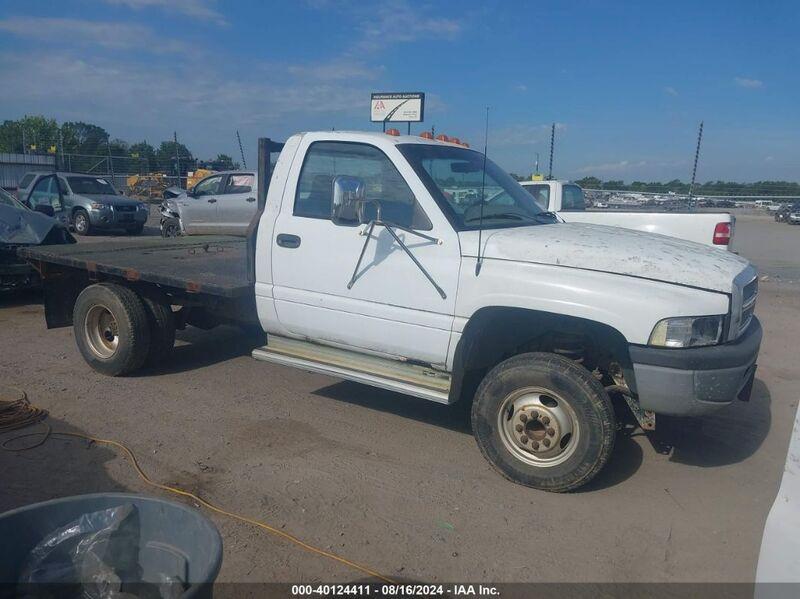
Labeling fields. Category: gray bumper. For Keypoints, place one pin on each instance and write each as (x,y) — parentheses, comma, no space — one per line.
(691,382)
(113,218)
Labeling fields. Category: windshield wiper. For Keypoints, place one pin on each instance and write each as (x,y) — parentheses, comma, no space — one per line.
(501,215)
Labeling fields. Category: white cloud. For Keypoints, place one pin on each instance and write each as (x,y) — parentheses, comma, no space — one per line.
(748,83)
(521,135)
(396,21)
(611,167)
(116,36)
(335,70)
(197,9)
(671,90)
(521,87)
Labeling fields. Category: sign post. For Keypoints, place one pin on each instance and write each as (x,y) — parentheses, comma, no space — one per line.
(397,107)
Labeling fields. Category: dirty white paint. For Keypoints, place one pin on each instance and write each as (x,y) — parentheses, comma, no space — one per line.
(779,560)
(612,250)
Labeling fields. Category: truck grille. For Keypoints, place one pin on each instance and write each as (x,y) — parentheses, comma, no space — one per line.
(749,295)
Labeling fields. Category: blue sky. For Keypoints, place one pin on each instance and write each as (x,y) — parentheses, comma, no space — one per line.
(627,83)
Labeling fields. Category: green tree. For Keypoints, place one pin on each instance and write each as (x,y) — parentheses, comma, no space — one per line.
(84,138)
(165,158)
(39,134)
(589,183)
(145,154)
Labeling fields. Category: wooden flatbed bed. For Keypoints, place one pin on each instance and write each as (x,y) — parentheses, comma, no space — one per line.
(211,265)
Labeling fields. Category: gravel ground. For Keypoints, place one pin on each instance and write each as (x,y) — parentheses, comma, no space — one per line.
(398,483)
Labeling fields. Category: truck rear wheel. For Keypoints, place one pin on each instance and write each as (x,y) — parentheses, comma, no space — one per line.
(543,421)
(111,329)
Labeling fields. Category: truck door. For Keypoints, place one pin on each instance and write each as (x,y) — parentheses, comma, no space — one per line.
(199,210)
(391,307)
(236,205)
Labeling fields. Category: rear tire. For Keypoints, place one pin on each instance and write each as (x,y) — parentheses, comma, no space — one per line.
(111,329)
(81,222)
(544,422)
(162,331)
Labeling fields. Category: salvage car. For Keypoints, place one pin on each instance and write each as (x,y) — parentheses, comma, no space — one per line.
(21,227)
(92,203)
(360,264)
(223,203)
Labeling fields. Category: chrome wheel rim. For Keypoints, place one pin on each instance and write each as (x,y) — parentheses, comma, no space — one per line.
(538,426)
(102,331)
(80,222)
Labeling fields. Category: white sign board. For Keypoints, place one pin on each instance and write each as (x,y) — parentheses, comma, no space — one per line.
(397,107)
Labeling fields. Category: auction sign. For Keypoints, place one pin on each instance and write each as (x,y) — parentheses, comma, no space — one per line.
(397,107)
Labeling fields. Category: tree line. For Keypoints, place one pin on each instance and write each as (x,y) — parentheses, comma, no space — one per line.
(42,135)
(711,188)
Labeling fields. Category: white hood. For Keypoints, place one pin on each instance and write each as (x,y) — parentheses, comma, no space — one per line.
(613,250)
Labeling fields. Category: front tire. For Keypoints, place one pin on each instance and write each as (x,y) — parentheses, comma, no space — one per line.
(111,329)
(543,421)
(81,222)
(170,228)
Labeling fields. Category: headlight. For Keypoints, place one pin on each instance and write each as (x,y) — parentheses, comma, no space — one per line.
(688,331)
(99,206)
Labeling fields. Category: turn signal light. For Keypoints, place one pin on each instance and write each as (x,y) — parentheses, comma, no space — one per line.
(722,234)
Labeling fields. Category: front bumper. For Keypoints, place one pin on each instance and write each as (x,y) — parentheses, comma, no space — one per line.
(111,218)
(696,381)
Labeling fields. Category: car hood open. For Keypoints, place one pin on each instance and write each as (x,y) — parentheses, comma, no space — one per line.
(612,250)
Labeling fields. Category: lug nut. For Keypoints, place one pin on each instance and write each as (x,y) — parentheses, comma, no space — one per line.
(535,445)
(546,442)
(523,439)
(545,420)
(519,428)
(523,417)
(551,431)
(534,414)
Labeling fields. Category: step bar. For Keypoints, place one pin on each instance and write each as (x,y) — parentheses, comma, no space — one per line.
(395,375)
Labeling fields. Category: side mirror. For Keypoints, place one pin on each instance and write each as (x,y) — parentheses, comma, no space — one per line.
(45,209)
(349,194)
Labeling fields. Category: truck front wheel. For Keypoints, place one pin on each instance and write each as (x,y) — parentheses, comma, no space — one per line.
(111,328)
(543,421)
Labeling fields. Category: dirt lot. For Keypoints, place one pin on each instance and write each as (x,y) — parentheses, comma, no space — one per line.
(398,483)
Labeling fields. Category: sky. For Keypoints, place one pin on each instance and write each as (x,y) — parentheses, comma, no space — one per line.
(626,83)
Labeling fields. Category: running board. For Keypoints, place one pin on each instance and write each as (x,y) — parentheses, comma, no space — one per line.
(394,375)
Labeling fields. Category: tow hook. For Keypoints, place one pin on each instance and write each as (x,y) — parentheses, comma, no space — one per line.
(645,418)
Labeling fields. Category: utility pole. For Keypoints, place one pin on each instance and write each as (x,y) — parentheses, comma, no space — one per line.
(536,170)
(108,153)
(241,151)
(694,169)
(177,157)
(552,145)
(61,149)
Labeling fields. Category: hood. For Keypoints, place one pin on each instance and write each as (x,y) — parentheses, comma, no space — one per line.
(26,227)
(612,250)
(110,198)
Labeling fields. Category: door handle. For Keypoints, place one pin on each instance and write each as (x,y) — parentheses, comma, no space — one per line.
(212,200)
(250,200)
(288,241)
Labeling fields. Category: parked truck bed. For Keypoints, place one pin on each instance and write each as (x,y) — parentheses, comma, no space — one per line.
(213,265)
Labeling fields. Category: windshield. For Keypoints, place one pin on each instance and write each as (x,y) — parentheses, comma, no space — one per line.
(90,186)
(455,177)
(6,199)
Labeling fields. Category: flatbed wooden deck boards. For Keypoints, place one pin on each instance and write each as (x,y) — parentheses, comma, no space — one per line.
(215,265)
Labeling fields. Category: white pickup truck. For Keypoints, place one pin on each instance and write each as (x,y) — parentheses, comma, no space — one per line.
(567,200)
(360,263)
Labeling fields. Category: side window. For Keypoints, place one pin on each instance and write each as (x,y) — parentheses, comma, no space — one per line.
(326,160)
(63,184)
(240,183)
(26,180)
(45,192)
(208,187)
(572,198)
(541,195)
